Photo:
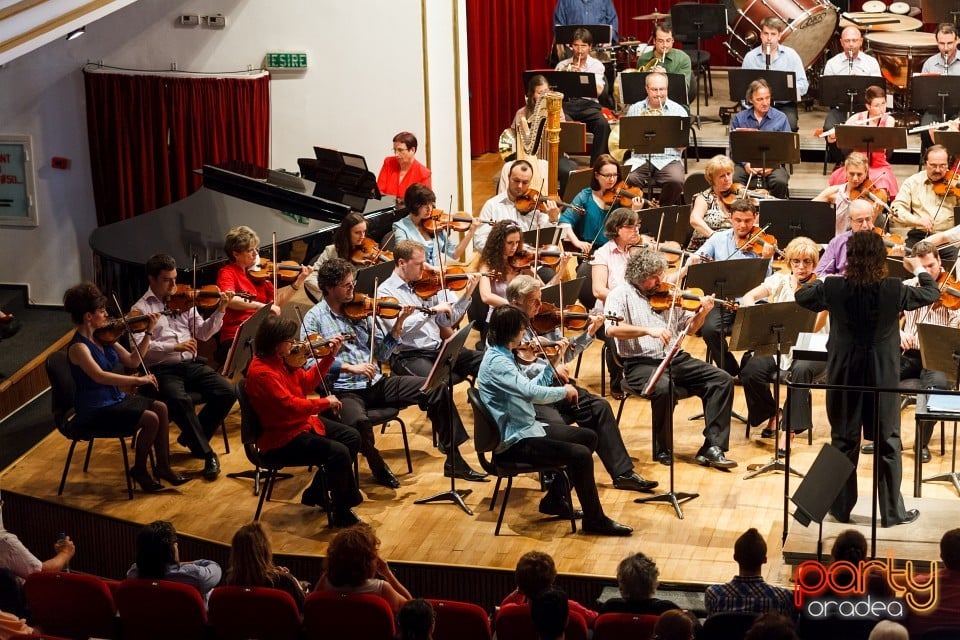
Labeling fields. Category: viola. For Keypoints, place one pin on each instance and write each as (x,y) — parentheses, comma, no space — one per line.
(303,350)
(574,316)
(114,328)
(363,306)
(893,242)
(287,271)
(369,253)
(733,193)
(533,199)
(755,240)
(529,350)
(185,297)
(455,278)
(687,299)
(949,291)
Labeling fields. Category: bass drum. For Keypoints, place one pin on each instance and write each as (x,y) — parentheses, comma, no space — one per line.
(810,25)
(901,55)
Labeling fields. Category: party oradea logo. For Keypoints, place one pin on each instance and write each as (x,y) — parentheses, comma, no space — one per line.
(871,590)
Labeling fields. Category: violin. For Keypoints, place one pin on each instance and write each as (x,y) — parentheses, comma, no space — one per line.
(948,184)
(440,220)
(548,255)
(287,271)
(672,251)
(363,306)
(574,316)
(185,297)
(455,279)
(302,350)
(623,195)
(949,291)
(526,202)
(869,186)
(687,299)
(529,350)
(369,253)
(892,241)
(114,328)
(755,240)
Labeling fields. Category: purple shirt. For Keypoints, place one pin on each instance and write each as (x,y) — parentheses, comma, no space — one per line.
(834,259)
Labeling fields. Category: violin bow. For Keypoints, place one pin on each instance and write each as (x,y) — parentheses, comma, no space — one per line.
(193,316)
(386,240)
(275,263)
(749,241)
(603,221)
(543,352)
(136,346)
(313,352)
(946,281)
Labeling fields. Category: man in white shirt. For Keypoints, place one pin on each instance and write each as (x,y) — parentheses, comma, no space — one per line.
(587,110)
(503,206)
(18,560)
(666,168)
(173,359)
(777,57)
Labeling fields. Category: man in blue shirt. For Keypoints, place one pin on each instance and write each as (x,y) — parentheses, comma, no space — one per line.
(509,396)
(761,117)
(777,57)
(665,168)
(586,12)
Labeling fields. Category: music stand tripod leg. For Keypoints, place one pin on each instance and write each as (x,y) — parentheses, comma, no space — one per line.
(951,475)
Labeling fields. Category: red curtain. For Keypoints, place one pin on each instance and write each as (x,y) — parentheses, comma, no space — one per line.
(507,37)
(148,133)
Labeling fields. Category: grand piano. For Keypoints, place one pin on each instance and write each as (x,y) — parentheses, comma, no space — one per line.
(302,212)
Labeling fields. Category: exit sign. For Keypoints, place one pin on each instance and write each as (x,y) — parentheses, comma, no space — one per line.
(286,61)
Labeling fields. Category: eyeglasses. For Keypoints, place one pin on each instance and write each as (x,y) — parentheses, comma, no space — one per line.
(609,176)
(799,261)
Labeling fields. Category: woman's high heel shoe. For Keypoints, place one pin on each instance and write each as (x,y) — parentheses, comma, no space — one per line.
(148,484)
(173,478)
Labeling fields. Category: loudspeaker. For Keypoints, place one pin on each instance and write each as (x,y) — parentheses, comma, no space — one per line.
(821,486)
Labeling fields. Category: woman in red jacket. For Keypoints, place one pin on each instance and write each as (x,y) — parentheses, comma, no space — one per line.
(293,433)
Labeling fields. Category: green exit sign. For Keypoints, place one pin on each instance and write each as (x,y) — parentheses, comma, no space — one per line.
(286,61)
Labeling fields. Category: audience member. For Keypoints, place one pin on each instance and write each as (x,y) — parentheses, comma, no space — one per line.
(353,564)
(748,592)
(17,559)
(889,630)
(772,626)
(550,611)
(947,611)
(535,574)
(251,564)
(674,625)
(637,579)
(158,558)
(417,620)
(850,546)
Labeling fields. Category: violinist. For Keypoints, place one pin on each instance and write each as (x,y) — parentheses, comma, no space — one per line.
(585,228)
(664,169)
(761,116)
(241,246)
(860,215)
(729,244)
(101,408)
(423,335)
(402,169)
(420,202)
(924,205)
(711,210)
(173,358)
(757,372)
(293,431)
(855,168)
(503,206)
(347,238)
(642,340)
(590,411)
(357,379)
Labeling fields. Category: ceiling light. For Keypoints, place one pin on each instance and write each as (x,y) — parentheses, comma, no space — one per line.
(76,33)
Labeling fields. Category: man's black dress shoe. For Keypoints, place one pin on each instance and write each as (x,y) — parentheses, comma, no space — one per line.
(606,527)
(633,481)
(551,507)
(713,457)
(311,499)
(464,472)
(925,454)
(385,477)
(867,449)
(912,515)
(345,518)
(664,458)
(211,468)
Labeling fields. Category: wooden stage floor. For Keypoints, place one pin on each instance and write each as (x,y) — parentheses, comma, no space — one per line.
(695,550)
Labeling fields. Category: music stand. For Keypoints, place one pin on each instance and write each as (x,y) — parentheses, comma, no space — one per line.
(783,84)
(771,329)
(815,495)
(440,375)
(549,234)
(647,135)
(950,140)
(701,22)
(676,223)
(895,269)
(765,149)
(601,33)
(943,354)
(727,279)
(572,84)
(939,94)
(843,92)
(937,11)
(243,347)
(571,292)
(368,275)
(633,88)
(863,138)
(789,219)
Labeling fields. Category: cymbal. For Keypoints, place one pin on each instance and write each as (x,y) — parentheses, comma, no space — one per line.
(656,15)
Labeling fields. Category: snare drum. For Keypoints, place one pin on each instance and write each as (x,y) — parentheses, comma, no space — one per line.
(810,24)
(901,55)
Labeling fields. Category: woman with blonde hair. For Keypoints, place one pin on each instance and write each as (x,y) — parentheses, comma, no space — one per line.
(709,213)
(251,563)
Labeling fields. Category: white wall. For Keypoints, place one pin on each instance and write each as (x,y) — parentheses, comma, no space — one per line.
(365,82)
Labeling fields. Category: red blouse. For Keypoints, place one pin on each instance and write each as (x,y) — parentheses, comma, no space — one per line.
(234,278)
(389,179)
